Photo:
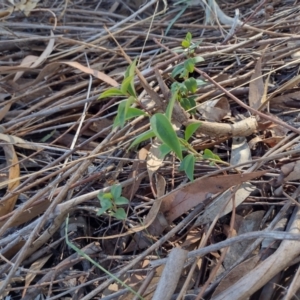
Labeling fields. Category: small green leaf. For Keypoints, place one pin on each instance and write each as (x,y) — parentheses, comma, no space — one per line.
(188,37)
(190,130)
(116,191)
(111,93)
(143,137)
(189,65)
(175,87)
(191,84)
(126,83)
(163,129)
(133,112)
(102,195)
(106,203)
(129,84)
(129,102)
(170,106)
(200,82)
(188,104)
(101,211)
(183,89)
(198,59)
(188,165)
(119,214)
(185,44)
(121,201)
(164,150)
(121,115)
(178,70)
(130,69)
(208,154)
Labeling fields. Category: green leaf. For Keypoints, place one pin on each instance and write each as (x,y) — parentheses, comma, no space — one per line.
(164,150)
(185,44)
(126,83)
(198,59)
(116,191)
(175,86)
(170,106)
(102,195)
(106,203)
(200,82)
(188,104)
(143,137)
(188,165)
(190,130)
(189,65)
(188,37)
(183,89)
(130,69)
(133,112)
(208,154)
(120,214)
(121,115)
(178,70)
(101,211)
(191,84)
(121,201)
(111,93)
(129,84)
(163,129)
(129,102)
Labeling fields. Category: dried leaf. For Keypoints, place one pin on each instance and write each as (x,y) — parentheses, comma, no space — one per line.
(250,223)
(36,266)
(154,158)
(217,206)
(237,273)
(13,179)
(240,152)
(16,141)
(214,110)
(34,61)
(256,86)
(4,110)
(137,168)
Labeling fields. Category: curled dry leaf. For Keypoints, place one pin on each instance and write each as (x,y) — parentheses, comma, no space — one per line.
(219,206)
(53,67)
(236,273)
(154,158)
(249,223)
(289,172)
(256,87)
(32,61)
(154,217)
(240,152)
(36,266)
(16,141)
(13,179)
(171,206)
(137,168)
(214,110)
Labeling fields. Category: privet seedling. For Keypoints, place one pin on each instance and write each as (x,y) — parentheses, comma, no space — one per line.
(161,127)
(110,201)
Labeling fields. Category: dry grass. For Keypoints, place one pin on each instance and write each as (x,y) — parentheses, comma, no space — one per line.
(59,150)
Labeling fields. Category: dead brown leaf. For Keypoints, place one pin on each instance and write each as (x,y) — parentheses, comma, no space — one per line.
(256,86)
(13,181)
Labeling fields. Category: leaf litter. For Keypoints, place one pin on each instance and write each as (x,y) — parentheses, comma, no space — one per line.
(60,150)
